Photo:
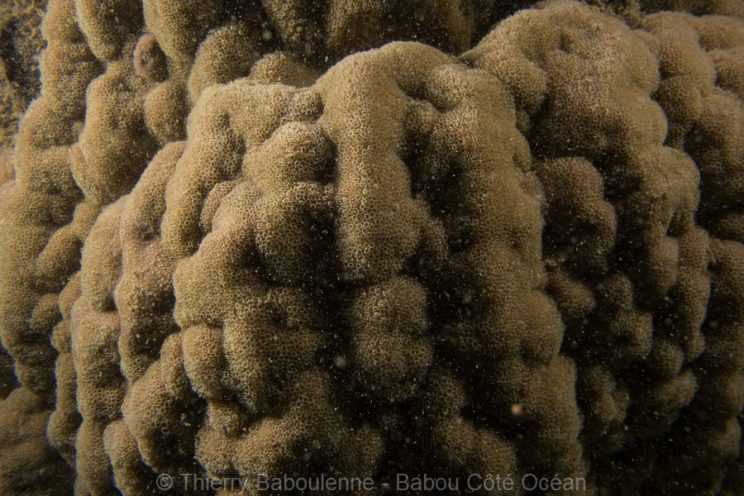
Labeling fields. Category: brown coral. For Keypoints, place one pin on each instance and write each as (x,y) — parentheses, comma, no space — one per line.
(230,247)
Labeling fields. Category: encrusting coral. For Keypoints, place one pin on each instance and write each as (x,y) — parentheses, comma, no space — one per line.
(28,464)
(234,242)
(641,358)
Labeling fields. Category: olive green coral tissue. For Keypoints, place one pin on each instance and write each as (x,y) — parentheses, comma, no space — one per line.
(363,239)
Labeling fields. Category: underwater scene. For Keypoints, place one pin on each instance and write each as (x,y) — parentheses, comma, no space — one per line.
(371,247)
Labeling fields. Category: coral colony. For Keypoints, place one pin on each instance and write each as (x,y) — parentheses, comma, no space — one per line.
(366,247)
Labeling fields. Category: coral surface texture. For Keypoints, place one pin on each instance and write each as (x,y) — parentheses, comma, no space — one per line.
(371,247)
